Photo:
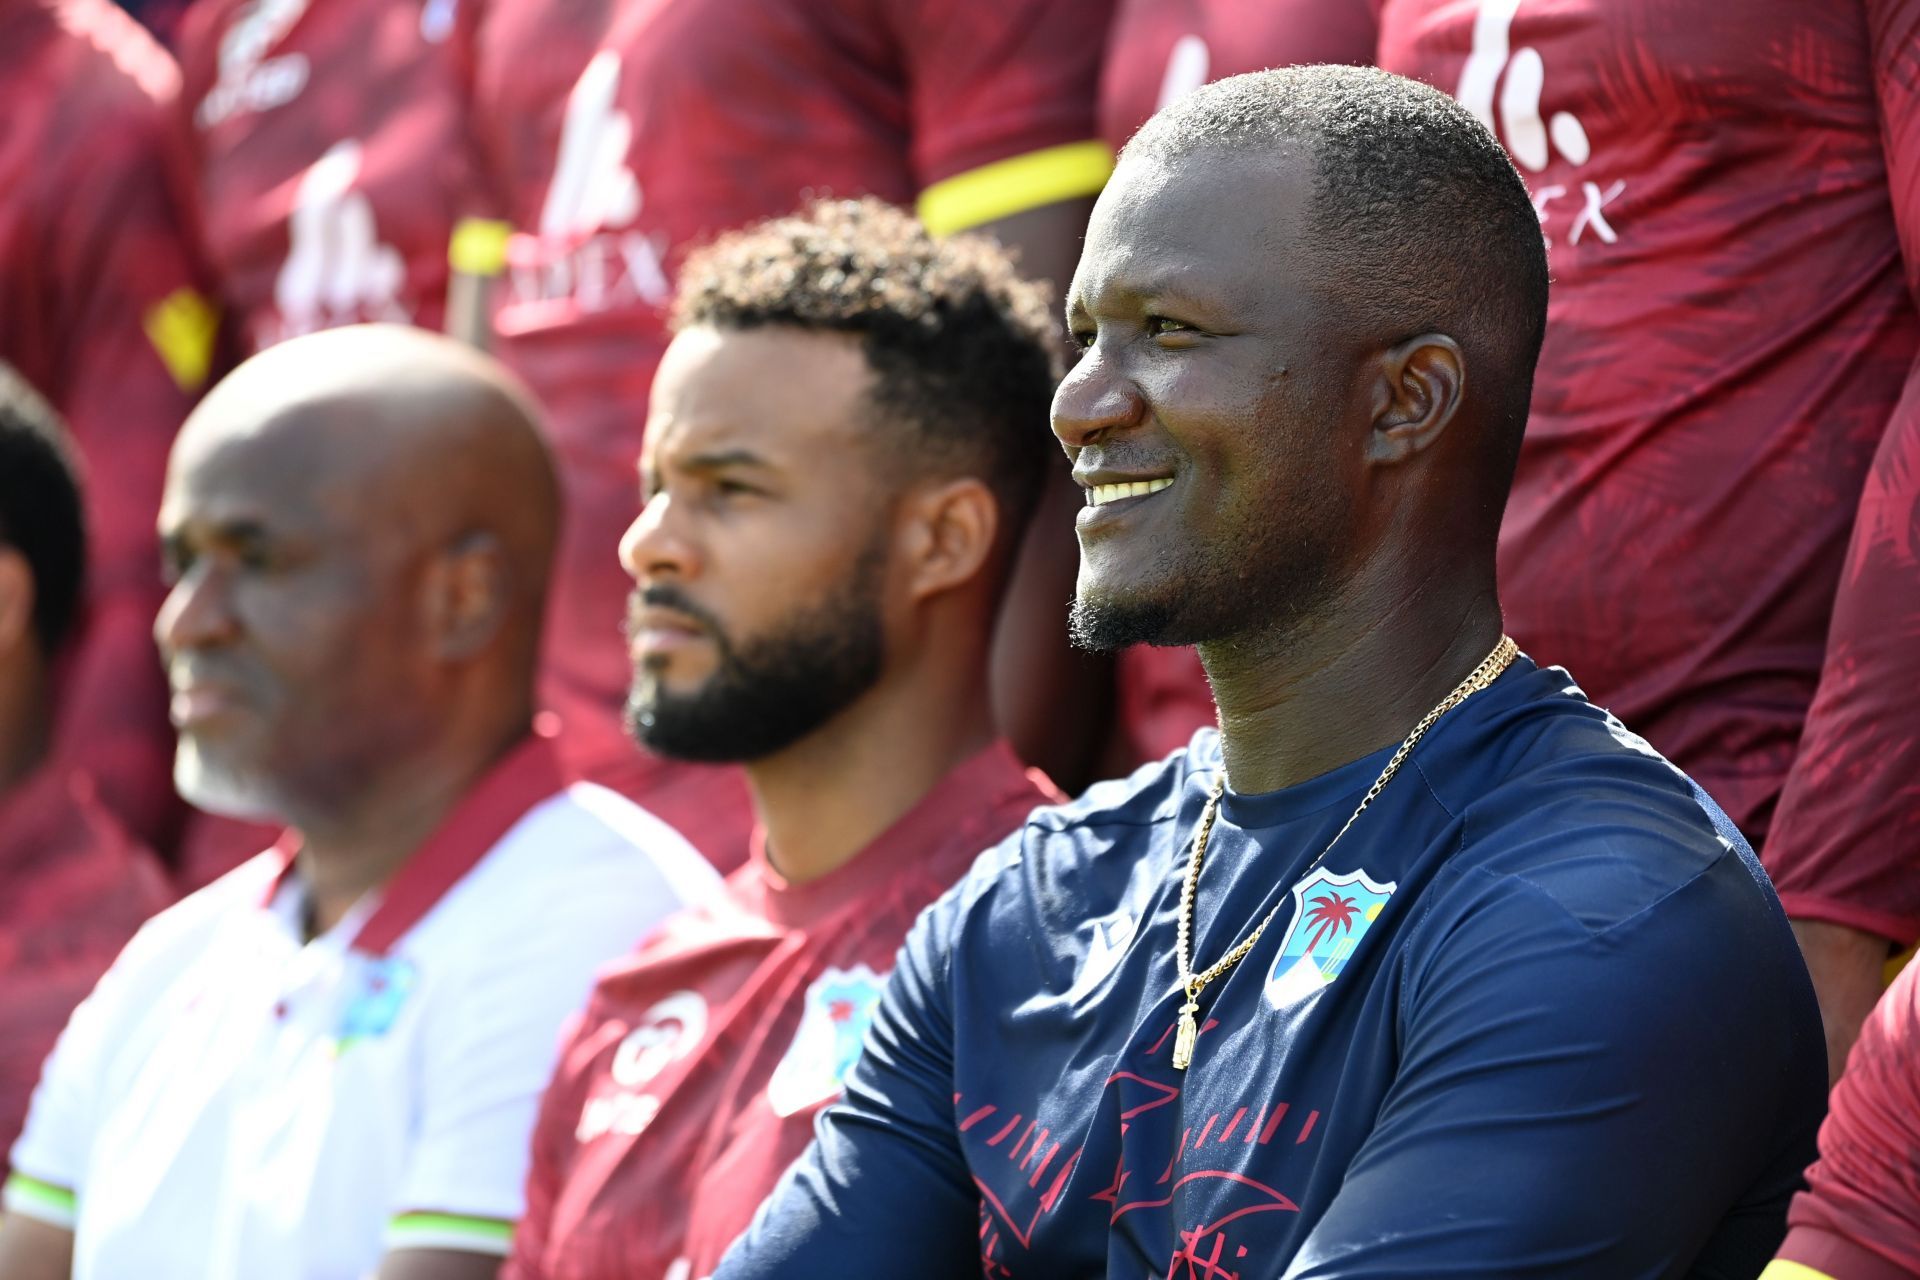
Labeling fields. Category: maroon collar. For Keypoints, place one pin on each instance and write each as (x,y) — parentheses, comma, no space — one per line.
(519,780)
(962,808)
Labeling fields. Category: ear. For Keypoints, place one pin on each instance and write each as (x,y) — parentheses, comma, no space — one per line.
(16,601)
(948,532)
(1421,384)
(467,596)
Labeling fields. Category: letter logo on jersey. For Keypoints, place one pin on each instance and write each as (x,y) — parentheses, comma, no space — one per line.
(1497,75)
(839,1006)
(1331,913)
(666,1033)
(337,270)
(593,188)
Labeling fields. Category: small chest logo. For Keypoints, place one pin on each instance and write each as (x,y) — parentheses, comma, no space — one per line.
(839,1007)
(375,1006)
(665,1033)
(1331,913)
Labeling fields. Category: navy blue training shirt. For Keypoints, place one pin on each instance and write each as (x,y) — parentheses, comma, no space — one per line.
(1538,1014)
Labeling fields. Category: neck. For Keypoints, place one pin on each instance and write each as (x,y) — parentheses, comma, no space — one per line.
(352,849)
(1344,684)
(828,796)
(23,713)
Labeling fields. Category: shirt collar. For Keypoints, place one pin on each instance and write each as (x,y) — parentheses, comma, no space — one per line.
(952,810)
(525,776)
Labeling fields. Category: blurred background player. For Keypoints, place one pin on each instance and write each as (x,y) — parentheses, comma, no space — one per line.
(327,1063)
(623,133)
(1728,392)
(330,162)
(1859,1218)
(840,461)
(74,885)
(101,313)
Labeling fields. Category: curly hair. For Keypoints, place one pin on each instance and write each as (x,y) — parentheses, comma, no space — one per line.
(40,508)
(964,353)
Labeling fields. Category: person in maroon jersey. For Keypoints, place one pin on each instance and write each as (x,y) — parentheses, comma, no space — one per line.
(1714,519)
(74,885)
(1859,1218)
(840,460)
(101,311)
(623,133)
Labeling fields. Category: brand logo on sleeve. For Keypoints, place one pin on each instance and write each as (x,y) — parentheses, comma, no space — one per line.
(833,1023)
(1504,86)
(1331,914)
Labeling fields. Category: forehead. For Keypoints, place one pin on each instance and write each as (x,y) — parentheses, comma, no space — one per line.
(790,396)
(1226,225)
(284,471)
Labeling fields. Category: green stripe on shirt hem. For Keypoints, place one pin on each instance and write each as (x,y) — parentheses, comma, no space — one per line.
(37,1199)
(450,1231)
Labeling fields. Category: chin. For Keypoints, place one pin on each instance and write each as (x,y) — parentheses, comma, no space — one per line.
(218,790)
(1104,623)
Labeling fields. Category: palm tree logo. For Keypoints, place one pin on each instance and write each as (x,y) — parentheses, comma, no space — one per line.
(1331,914)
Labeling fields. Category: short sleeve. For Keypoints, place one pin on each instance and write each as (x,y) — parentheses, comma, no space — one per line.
(490,1045)
(1585,1099)
(1860,1214)
(1011,84)
(885,1178)
(49,1162)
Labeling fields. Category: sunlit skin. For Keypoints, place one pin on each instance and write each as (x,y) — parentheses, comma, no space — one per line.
(1327,538)
(754,501)
(356,529)
(764,481)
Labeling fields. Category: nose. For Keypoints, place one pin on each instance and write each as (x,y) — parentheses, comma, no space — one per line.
(197,613)
(1096,398)
(655,546)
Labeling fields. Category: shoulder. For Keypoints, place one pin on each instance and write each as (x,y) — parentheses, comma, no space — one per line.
(1553,793)
(586,835)
(1076,858)
(182,933)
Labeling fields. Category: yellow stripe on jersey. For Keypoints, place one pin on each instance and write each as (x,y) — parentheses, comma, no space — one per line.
(479,246)
(181,327)
(450,1231)
(1007,187)
(1781,1269)
(43,1201)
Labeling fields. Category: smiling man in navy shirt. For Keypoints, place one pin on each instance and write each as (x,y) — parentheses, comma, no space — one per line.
(1423,965)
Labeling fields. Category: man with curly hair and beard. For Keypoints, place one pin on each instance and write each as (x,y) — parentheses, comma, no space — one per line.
(844,443)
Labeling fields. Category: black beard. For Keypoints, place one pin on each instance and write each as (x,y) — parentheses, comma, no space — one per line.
(1107,626)
(767,695)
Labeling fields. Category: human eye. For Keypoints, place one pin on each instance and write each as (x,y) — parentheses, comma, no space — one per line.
(1167,326)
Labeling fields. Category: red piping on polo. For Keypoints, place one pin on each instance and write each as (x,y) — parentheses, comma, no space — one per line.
(528,774)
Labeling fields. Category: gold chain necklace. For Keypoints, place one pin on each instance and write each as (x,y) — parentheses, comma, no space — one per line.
(1479,678)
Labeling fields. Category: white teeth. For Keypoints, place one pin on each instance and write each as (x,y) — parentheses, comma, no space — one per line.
(1101,494)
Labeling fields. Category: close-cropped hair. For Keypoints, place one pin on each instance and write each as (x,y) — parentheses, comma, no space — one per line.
(40,506)
(964,353)
(1419,218)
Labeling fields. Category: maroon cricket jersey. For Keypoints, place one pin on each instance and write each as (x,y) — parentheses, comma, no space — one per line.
(1731,200)
(74,886)
(330,158)
(692,1078)
(1859,1218)
(100,310)
(624,133)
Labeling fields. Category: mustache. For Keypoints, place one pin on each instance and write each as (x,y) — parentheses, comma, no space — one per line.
(667,597)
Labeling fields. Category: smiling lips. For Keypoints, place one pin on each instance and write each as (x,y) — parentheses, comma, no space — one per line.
(1100,495)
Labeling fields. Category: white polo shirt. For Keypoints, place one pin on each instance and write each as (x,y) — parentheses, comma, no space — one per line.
(233,1103)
